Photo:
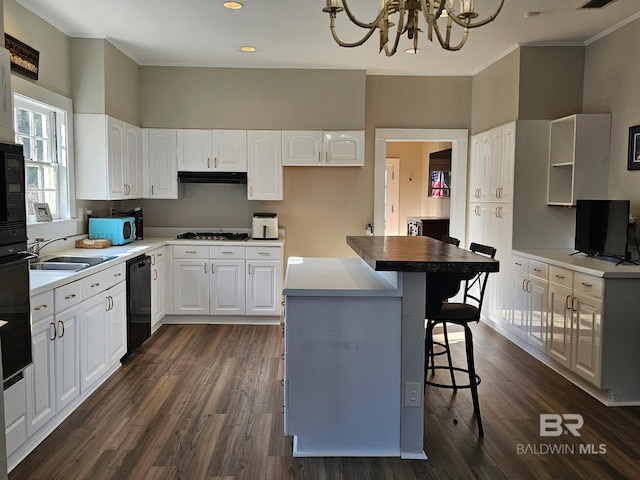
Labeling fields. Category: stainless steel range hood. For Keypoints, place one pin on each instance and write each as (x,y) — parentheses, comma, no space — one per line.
(213,177)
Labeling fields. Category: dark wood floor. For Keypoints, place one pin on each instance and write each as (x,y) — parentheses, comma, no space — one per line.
(204,402)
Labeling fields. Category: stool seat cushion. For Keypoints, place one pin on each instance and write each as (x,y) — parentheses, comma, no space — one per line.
(456,313)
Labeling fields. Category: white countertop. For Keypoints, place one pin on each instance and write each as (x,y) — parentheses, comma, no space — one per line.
(598,266)
(42,281)
(337,277)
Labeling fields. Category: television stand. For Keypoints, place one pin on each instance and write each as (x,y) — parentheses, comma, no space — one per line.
(620,259)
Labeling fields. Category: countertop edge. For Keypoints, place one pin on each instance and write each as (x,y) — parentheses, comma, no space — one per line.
(598,267)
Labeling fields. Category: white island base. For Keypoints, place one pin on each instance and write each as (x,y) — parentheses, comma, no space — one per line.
(343,361)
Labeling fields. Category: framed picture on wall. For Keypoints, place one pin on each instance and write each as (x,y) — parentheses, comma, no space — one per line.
(633,162)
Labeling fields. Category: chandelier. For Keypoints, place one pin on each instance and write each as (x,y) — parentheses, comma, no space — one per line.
(440,16)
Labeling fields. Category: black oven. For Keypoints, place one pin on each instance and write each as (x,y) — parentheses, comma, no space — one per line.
(15,332)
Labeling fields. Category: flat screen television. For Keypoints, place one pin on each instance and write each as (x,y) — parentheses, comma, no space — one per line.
(602,227)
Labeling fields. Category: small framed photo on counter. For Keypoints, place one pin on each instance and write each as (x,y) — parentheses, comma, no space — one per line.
(634,148)
(43,214)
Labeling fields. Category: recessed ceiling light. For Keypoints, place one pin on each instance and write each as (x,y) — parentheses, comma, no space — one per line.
(233,5)
(412,50)
(248,48)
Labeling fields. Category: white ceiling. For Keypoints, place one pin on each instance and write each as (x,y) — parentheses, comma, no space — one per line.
(295,33)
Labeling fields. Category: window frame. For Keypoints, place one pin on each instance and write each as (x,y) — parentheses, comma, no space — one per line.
(63,106)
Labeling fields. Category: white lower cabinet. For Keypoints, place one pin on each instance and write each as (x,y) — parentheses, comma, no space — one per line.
(53,380)
(227,287)
(231,280)
(158,289)
(561,316)
(529,293)
(15,415)
(264,274)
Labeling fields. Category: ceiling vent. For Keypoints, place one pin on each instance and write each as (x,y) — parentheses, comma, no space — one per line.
(596,4)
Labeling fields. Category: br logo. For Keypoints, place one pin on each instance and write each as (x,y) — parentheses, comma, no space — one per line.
(554,424)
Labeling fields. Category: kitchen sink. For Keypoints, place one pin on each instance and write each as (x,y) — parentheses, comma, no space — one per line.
(76,260)
(53,266)
(67,262)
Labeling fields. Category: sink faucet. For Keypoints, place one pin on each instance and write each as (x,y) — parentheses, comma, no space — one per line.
(39,243)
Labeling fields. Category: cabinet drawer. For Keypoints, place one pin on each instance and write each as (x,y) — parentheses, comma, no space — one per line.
(68,295)
(41,306)
(263,253)
(561,276)
(519,264)
(588,284)
(157,256)
(190,251)
(116,274)
(538,269)
(223,252)
(94,284)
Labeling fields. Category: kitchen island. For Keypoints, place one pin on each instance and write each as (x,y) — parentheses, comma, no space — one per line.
(354,343)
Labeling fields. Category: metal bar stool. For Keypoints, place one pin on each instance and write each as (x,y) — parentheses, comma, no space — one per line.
(460,314)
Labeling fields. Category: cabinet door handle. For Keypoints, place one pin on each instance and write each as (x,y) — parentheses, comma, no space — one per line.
(53,333)
(213,269)
(70,296)
(498,192)
(205,268)
(61,334)
(155,274)
(208,163)
(251,191)
(518,264)
(190,251)
(41,307)
(249,269)
(537,270)
(215,162)
(528,286)
(523,284)
(561,277)
(152,190)
(588,285)
(266,254)
(566,302)
(573,306)
(94,285)
(319,158)
(228,253)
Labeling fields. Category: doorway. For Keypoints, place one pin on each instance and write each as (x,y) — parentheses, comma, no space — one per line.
(458,199)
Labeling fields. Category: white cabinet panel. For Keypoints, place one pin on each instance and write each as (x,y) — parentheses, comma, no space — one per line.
(162,165)
(190,287)
(344,148)
(117,322)
(227,287)
(263,287)
(264,165)
(230,150)
(194,150)
(94,359)
(302,148)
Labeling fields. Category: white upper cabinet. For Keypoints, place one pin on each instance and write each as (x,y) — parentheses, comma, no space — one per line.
(212,150)
(161,177)
(230,150)
(264,165)
(579,158)
(492,164)
(344,148)
(108,158)
(302,148)
(315,147)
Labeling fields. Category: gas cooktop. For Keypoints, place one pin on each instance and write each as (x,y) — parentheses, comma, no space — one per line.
(214,236)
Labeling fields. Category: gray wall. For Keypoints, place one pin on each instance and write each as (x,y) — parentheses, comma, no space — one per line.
(611,85)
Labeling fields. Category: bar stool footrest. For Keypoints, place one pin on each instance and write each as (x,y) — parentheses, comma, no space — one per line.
(456,386)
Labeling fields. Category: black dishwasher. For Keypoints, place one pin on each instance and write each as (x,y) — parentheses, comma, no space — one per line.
(138,302)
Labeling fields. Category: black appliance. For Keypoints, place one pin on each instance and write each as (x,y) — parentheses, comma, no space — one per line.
(138,302)
(602,227)
(214,236)
(15,334)
(136,213)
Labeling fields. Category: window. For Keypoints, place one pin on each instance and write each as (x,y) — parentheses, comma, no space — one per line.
(42,129)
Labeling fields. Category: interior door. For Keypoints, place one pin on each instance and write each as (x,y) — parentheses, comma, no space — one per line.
(392,196)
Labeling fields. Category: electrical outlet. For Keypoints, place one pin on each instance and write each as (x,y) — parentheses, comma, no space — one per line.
(412,394)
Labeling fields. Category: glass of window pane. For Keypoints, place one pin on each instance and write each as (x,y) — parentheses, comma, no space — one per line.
(22,121)
(39,124)
(32,174)
(49,178)
(51,198)
(26,141)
